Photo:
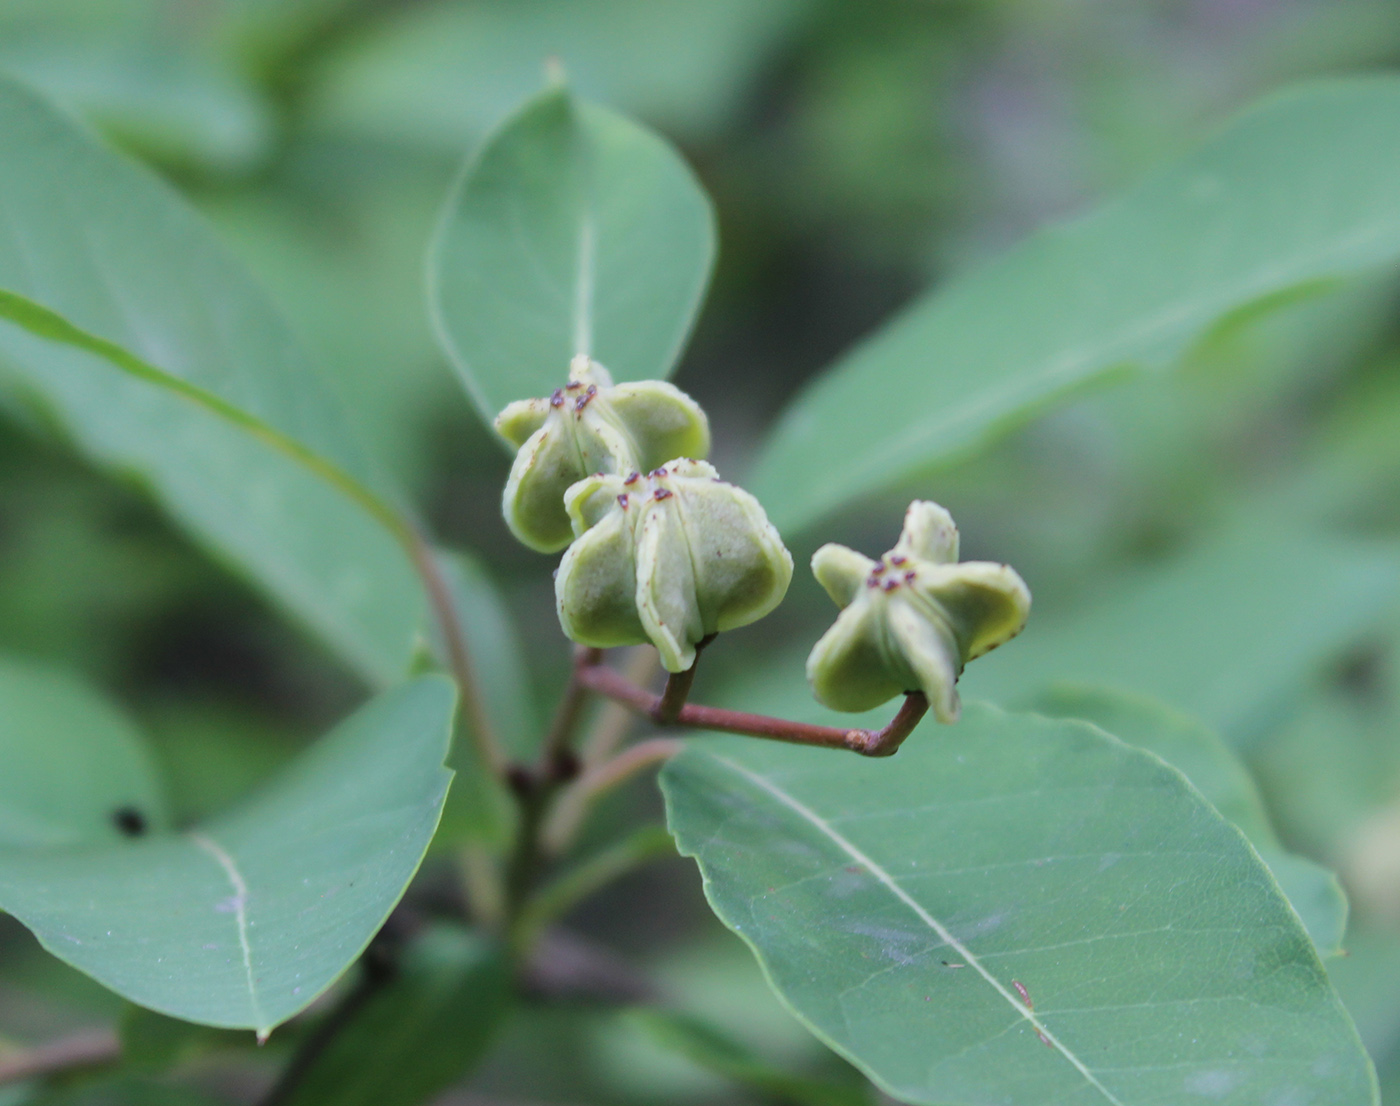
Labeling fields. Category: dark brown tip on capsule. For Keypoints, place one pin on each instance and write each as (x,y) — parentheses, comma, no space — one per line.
(574,386)
(898,559)
(582,401)
(654,473)
(632,479)
(891,584)
(909,575)
(662,493)
(878,569)
(557,399)
(623,500)
(872,581)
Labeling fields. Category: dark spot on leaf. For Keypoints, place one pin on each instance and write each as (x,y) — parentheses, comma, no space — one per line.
(129,821)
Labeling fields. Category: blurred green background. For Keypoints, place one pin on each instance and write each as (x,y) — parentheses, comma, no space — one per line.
(857,152)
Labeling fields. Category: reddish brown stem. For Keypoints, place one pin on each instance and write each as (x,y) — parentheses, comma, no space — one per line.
(871,743)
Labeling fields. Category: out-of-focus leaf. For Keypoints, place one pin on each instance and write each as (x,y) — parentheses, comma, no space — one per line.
(478,808)
(1299,192)
(243,922)
(441,73)
(164,103)
(1229,631)
(1018,910)
(420,1033)
(153,1044)
(121,1090)
(572,230)
(75,771)
(214,406)
(1218,774)
(1365,980)
(706,1046)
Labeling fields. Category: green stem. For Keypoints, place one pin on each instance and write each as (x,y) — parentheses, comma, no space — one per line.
(556,898)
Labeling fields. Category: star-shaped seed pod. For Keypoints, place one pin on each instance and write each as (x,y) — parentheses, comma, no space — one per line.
(911,620)
(591,425)
(669,557)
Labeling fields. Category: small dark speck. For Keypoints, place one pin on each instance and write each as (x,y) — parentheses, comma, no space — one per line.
(662,493)
(633,478)
(557,399)
(623,500)
(909,575)
(129,821)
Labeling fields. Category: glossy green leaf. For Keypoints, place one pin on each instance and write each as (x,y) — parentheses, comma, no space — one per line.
(1300,191)
(572,230)
(1229,630)
(75,769)
(213,404)
(1017,910)
(1204,759)
(244,921)
(423,1031)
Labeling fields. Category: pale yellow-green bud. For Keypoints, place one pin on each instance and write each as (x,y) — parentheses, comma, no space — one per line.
(590,426)
(911,620)
(670,557)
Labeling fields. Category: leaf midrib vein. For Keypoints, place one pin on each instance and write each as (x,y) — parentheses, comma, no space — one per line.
(855,853)
(240,913)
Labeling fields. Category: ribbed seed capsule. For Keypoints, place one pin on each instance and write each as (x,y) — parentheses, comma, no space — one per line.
(670,556)
(913,619)
(592,425)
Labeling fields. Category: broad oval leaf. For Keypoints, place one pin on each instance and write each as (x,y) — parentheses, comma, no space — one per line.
(243,922)
(75,768)
(1018,911)
(1204,759)
(572,230)
(213,405)
(1303,190)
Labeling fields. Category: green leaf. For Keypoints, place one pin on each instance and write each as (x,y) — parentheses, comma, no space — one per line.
(1301,191)
(1230,630)
(313,551)
(246,920)
(1204,759)
(76,771)
(479,808)
(1018,910)
(214,406)
(572,230)
(434,72)
(706,1046)
(419,1034)
(99,255)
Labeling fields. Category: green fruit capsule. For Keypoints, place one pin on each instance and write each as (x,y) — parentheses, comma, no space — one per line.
(590,426)
(669,557)
(911,620)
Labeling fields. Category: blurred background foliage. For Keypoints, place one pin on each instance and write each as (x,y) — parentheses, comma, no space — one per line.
(857,152)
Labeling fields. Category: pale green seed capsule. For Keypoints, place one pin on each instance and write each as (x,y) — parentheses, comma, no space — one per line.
(669,557)
(911,620)
(590,426)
